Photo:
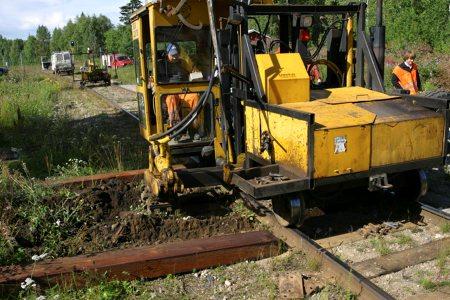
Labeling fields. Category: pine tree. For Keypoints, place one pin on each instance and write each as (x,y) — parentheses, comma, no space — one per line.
(128,9)
(43,38)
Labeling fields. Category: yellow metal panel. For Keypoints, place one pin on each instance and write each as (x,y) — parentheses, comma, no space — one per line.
(284,77)
(135,29)
(333,157)
(290,136)
(335,116)
(348,95)
(194,11)
(407,141)
(253,130)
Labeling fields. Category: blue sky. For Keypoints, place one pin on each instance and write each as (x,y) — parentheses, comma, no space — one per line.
(19,18)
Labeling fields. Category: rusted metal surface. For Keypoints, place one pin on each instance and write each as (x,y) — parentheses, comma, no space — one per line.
(397,111)
(94,179)
(148,262)
(335,270)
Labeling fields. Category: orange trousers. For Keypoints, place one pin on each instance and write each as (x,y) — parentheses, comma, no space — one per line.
(175,104)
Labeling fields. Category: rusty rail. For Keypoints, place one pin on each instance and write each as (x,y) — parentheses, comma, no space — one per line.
(336,270)
(147,262)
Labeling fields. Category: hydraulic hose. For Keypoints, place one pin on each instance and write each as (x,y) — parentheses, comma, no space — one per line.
(183,124)
(196,110)
(324,37)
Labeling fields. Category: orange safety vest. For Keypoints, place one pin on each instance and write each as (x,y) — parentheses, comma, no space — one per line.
(407,80)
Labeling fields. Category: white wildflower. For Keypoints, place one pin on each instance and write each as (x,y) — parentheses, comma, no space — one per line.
(58,223)
(227,283)
(28,282)
(41,298)
(39,257)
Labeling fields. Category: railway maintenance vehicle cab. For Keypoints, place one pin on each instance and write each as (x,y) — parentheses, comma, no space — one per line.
(219,108)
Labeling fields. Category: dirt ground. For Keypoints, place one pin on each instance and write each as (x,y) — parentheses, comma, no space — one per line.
(112,215)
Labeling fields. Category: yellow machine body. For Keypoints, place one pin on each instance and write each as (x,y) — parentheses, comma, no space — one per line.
(313,133)
(355,129)
(284,77)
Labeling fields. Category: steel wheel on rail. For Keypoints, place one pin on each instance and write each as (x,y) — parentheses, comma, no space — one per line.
(410,185)
(289,210)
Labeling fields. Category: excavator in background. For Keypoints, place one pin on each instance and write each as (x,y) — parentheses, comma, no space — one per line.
(219,109)
(92,73)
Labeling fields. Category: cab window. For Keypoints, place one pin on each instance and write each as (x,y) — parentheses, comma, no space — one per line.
(183,54)
(137,61)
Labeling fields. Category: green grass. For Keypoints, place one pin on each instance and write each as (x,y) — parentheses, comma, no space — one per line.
(314,265)
(429,284)
(445,227)
(126,75)
(27,204)
(101,290)
(441,260)
(403,239)
(380,245)
(51,142)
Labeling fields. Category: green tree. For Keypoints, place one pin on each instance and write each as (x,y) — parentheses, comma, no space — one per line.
(4,50)
(15,51)
(118,40)
(58,42)
(128,9)
(29,51)
(412,22)
(43,41)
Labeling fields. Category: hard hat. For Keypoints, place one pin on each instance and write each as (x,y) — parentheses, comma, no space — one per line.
(172,49)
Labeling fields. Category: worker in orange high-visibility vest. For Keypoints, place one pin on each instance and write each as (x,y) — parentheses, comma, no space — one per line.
(405,76)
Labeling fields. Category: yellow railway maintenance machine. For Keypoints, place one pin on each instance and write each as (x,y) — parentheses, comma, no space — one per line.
(221,108)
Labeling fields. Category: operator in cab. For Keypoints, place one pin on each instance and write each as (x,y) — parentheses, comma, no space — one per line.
(405,76)
(180,69)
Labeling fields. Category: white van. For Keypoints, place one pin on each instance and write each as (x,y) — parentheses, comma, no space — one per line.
(62,63)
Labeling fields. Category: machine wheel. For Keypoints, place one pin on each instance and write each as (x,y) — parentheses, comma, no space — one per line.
(82,84)
(410,185)
(289,209)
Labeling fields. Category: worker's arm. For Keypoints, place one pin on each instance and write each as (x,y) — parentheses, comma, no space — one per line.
(419,84)
(396,82)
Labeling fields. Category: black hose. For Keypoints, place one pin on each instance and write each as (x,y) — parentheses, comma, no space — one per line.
(183,124)
(266,27)
(194,113)
(257,23)
(324,37)
(274,42)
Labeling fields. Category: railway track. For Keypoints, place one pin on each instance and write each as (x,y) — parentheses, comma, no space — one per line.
(337,271)
(357,277)
(118,98)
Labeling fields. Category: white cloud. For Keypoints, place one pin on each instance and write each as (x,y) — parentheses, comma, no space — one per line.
(20,18)
(51,20)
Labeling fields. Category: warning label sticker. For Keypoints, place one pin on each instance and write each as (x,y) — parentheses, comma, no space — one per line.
(340,144)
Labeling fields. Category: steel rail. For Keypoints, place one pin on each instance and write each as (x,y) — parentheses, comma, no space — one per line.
(147,261)
(436,215)
(113,103)
(336,270)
